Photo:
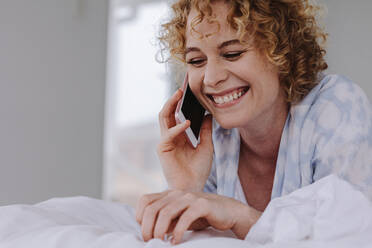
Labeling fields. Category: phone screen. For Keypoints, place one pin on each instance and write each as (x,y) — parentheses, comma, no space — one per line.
(193,111)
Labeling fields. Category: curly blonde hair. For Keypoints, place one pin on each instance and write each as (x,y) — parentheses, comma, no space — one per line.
(285,31)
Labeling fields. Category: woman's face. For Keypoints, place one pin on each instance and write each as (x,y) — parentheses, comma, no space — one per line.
(237,85)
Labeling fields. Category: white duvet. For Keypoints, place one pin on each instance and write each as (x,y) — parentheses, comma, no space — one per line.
(328,213)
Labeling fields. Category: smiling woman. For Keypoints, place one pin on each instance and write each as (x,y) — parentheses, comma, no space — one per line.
(277,122)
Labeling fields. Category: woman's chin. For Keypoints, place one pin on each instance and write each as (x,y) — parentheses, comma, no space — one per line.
(228,123)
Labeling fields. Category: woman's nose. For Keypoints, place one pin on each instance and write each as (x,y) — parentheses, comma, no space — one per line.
(214,73)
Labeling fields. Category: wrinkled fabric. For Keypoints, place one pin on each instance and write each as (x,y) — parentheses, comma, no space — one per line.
(328,132)
(319,215)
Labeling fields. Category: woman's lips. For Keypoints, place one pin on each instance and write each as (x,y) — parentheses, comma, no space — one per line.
(228,99)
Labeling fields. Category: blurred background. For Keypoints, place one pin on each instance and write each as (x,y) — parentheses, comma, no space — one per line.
(80,91)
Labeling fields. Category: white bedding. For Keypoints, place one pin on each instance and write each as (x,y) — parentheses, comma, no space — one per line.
(328,213)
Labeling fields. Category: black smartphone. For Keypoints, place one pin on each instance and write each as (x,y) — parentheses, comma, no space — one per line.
(189,108)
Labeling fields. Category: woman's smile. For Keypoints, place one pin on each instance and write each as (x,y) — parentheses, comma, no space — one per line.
(228,98)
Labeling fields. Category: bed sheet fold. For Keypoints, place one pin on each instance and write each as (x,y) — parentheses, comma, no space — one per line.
(328,213)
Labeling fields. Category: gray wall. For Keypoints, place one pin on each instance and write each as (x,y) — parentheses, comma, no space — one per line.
(349,24)
(52,85)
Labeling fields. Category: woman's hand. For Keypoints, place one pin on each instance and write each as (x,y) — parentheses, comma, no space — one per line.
(176,211)
(184,167)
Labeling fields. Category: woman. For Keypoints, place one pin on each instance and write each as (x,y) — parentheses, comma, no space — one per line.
(277,123)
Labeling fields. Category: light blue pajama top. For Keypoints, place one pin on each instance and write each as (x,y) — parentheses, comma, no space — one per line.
(328,132)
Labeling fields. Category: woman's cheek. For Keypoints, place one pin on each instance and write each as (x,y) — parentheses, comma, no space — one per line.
(195,87)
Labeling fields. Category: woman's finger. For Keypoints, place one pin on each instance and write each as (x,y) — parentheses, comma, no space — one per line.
(171,134)
(199,224)
(166,115)
(195,211)
(151,213)
(144,201)
(168,215)
(206,130)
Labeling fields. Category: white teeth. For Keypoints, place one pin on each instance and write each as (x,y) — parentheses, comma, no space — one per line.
(228,98)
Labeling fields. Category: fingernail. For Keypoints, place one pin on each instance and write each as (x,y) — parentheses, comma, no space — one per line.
(173,241)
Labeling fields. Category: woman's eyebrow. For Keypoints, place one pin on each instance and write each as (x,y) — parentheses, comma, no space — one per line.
(228,43)
(191,49)
(223,44)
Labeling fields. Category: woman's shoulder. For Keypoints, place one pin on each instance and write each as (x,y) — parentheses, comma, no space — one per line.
(340,119)
(334,95)
(335,86)
(336,89)
(336,111)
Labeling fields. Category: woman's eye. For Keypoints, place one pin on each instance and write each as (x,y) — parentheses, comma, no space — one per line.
(232,55)
(195,61)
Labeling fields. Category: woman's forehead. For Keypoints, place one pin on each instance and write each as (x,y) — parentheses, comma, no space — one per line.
(217,24)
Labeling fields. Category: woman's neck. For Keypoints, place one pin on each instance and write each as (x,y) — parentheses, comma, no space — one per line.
(261,141)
